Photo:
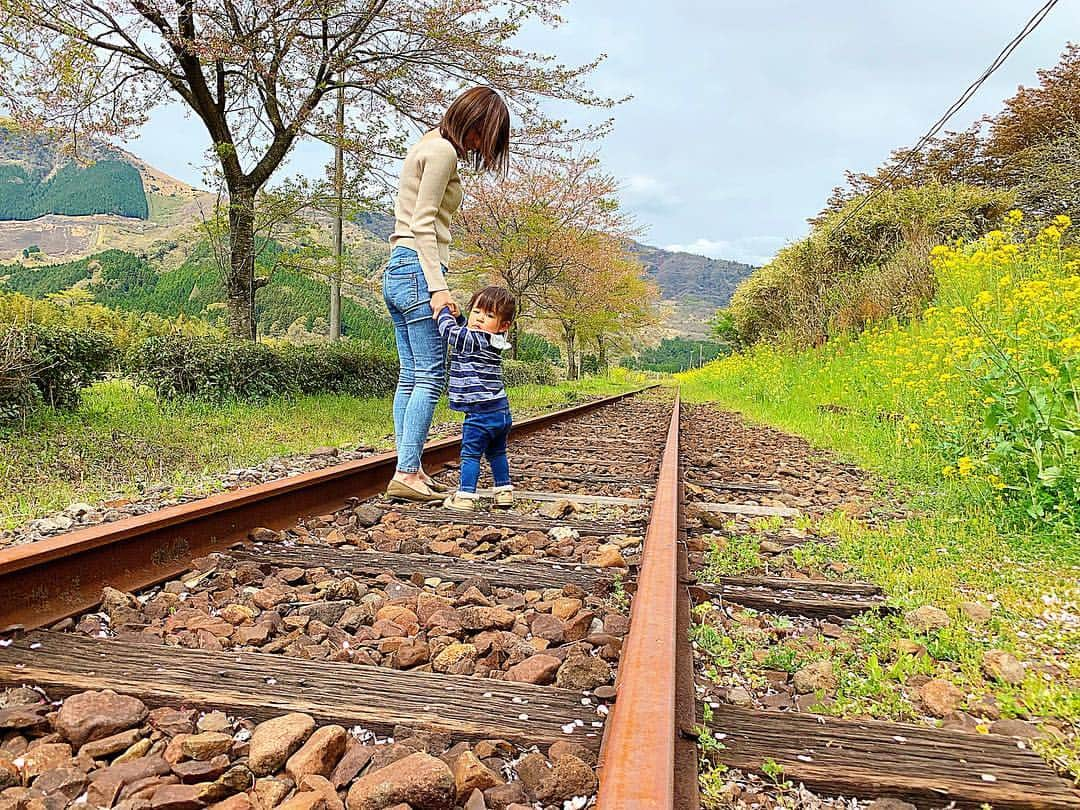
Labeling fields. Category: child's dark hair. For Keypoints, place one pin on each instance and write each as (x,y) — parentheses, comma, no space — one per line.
(497,300)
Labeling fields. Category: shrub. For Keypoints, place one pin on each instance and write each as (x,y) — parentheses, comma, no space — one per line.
(344,367)
(50,365)
(839,280)
(208,368)
(520,372)
(18,394)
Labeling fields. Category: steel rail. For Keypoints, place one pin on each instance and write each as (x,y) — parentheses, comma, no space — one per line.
(638,755)
(58,577)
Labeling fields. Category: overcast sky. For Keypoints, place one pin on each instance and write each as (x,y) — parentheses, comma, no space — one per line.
(746,114)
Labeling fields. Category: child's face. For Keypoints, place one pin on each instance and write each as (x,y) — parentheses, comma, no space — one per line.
(484,320)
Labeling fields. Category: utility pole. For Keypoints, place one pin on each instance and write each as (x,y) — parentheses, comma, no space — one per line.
(339,190)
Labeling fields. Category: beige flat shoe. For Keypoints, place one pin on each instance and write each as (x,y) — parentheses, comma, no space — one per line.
(460,503)
(400,491)
(435,486)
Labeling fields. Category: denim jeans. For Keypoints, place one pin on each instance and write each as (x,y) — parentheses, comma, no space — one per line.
(484,434)
(421,354)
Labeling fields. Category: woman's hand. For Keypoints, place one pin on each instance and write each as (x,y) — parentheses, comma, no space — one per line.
(440,299)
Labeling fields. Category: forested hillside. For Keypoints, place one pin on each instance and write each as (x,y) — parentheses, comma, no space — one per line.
(105,187)
(293,303)
(689,276)
(38,177)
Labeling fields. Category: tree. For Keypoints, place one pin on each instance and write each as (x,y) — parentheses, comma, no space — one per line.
(598,295)
(256,72)
(527,229)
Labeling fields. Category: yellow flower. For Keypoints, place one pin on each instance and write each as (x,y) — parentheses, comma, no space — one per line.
(984,299)
(1062,221)
(947,471)
(995,481)
(1015,216)
(1051,370)
(964,465)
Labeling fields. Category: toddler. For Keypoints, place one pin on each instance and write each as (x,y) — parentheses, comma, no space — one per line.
(476,388)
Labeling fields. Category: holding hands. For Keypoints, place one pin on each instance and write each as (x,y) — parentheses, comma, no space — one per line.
(440,299)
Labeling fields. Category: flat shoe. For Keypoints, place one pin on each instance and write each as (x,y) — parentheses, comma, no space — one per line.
(459,504)
(435,486)
(400,491)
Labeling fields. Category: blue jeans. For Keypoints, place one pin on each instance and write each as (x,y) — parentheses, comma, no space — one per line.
(484,434)
(421,354)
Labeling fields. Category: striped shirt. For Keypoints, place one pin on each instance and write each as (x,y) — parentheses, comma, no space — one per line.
(476,384)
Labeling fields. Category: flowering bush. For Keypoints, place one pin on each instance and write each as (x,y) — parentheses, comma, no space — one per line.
(986,384)
(989,375)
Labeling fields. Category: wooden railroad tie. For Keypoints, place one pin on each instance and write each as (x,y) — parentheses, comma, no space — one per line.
(262,686)
(524,523)
(872,758)
(745,509)
(504,573)
(733,486)
(794,597)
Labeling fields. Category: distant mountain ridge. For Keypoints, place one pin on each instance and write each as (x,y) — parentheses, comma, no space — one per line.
(683,275)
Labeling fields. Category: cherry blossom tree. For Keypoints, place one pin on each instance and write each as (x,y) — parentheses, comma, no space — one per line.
(256,73)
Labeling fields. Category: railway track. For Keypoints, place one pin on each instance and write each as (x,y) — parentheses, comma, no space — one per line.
(305,644)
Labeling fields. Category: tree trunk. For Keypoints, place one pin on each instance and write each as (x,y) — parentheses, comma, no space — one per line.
(569,335)
(601,352)
(339,190)
(240,284)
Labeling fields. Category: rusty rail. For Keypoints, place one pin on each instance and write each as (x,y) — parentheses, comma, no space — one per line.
(638,757)
(43,582)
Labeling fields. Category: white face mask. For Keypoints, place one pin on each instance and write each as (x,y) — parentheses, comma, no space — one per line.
(499,341)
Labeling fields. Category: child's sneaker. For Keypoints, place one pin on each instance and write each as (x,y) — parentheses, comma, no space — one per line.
(460,502)
(503,497)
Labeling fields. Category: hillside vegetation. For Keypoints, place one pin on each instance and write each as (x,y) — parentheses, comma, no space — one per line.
(124,281)
(105,187)
(867,256)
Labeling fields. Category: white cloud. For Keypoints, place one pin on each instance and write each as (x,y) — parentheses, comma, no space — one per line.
(749,249)
(646,194)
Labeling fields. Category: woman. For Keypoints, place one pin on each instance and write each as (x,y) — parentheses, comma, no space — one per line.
(476,126)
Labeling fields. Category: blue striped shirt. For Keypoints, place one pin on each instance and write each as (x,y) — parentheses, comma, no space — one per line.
(476,383)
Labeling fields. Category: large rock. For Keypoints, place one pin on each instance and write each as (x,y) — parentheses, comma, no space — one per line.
(274,741)
(478,617)
(940,697)
(539,669)
(318,755)
(419,780)
(569,777)
(94,715)
(927,618)
(456,659)
(1001,666)
(815,677)
(45,757)
(119,606)
(583,672)
(471,774)
(204,747)
(976,612)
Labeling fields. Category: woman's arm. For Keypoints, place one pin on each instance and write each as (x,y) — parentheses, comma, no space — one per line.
(436,168)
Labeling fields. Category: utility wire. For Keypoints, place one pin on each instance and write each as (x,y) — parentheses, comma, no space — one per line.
(972,89)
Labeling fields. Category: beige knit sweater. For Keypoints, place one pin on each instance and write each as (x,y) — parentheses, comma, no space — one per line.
(428,195)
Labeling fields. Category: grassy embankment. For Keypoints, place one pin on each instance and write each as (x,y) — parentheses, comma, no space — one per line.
(971,416)
(123,439)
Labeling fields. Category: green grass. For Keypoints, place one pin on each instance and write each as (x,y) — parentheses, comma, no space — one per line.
(955,545)
(123,439)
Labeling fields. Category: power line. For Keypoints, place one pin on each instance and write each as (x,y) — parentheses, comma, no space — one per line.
(966,96)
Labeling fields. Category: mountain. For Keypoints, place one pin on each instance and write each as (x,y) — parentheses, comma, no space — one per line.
(38,177)
(693,286)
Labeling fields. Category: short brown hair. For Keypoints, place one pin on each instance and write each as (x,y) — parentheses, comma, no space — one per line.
(482,110)
(497,300)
